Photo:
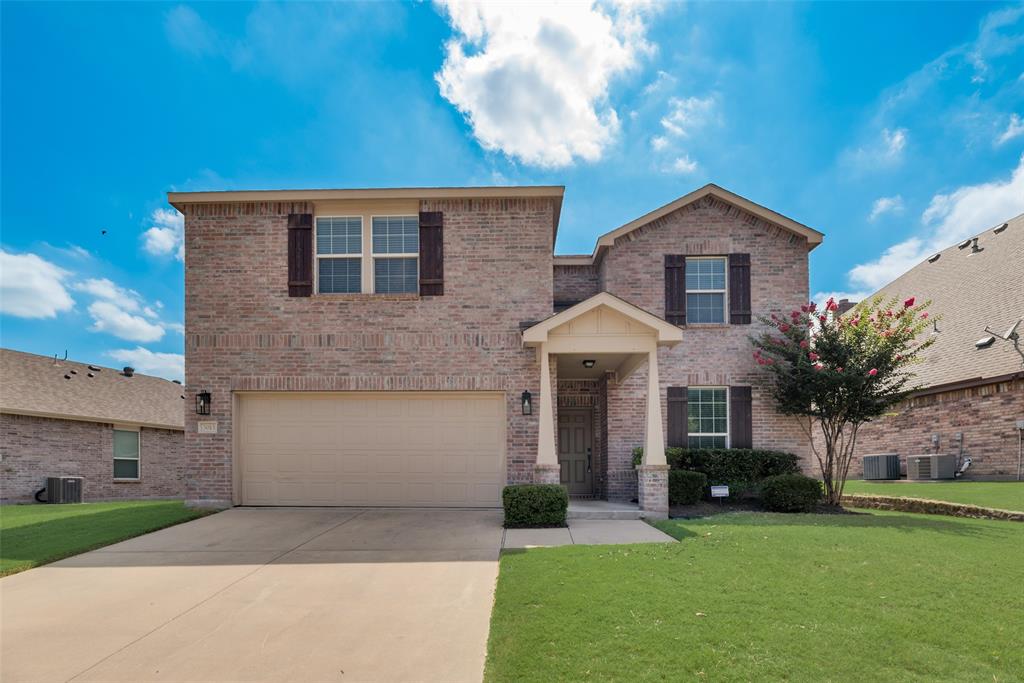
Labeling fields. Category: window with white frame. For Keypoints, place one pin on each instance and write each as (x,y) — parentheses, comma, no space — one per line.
(339,254)
(705,290)
(126,454)
(396,252)
(707,424)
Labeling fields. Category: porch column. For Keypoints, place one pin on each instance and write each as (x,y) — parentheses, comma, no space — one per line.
(546,471)
(652,474)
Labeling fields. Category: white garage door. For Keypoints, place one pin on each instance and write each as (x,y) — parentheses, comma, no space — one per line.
(397,448)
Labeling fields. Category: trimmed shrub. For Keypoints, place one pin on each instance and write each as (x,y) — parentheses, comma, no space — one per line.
(533,505)
(741,469)
(686,487)
(790,493)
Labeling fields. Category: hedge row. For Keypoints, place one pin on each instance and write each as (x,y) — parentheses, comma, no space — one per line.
(534,505)
(741,469)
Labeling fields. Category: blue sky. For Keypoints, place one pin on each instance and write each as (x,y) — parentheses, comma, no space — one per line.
(894,128)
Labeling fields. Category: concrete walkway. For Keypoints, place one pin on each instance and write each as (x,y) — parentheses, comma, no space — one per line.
(255,594)
(587,532)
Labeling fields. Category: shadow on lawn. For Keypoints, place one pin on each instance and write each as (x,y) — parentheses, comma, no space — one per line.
(898,521)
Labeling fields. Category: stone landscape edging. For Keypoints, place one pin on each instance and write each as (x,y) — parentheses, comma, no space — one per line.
(930,507)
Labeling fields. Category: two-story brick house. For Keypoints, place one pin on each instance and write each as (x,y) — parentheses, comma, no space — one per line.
(423,347)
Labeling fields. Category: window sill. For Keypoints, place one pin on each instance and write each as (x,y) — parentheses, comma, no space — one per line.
(409,296)
(127,481)
(707,326)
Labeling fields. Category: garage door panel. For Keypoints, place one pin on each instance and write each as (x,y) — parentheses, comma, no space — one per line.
(372,449)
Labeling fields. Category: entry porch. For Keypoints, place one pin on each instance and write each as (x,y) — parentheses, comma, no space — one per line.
(583,352)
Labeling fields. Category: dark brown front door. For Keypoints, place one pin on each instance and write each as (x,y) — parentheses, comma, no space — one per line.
(575,449)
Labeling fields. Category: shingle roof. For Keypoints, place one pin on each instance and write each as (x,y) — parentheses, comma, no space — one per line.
(969,291)
(36,385)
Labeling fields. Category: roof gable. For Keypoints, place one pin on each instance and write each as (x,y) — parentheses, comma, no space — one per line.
(604,313)
(608,239)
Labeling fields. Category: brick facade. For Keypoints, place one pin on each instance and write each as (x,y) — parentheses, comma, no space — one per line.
(985,415)
(245,334)
(709,355)
(34,448)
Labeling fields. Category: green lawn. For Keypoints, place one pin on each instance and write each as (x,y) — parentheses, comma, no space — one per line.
(1004,495)
(879,596)
(31,535)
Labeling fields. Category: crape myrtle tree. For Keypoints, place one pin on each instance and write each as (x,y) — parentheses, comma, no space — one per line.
(838,372)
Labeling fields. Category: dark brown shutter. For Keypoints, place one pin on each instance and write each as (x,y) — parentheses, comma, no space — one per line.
(677,414)
(741,430)
(739,289)
(675,289)
(300,254)
(431,253)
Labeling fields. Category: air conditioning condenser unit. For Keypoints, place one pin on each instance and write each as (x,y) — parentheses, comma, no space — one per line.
(924,467)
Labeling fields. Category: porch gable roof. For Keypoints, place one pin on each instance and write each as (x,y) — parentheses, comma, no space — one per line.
(664,332)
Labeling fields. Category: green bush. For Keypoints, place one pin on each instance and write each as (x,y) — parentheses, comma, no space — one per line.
(741,469)
(686,487)
(790,493)
(531,505)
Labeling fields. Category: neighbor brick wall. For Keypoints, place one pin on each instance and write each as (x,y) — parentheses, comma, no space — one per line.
(34,448)
(985,415)
(243,332)
(720,355)
(575,283)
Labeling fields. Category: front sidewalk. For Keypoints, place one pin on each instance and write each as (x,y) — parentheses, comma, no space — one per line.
(586,532)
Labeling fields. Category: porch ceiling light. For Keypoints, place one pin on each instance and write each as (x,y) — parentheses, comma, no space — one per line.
(589,363)
(527,403)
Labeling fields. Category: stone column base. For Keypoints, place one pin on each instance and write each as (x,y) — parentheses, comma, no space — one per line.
(652,491)
(548,474)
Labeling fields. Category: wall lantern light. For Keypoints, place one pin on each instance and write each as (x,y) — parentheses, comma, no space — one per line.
(527,403)
(203,403)
(589,363)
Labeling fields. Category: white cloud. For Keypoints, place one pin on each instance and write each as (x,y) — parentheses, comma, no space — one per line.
(821,297)
(190,33)
(683,164)
(948,219)
(32,287)
(169,365)
(102,288)
(659,142)
(1014,129)
(884,205)
(884,151)
(532,79)
(111,318)
(167,234)
(685,115)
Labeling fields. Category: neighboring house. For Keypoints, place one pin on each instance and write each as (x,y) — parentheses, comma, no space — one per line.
(972,382)
(121,431)
(424,347)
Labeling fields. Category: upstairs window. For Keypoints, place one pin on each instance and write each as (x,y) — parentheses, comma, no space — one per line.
(126,454)
(705,290)
(396,250)
(707,423)
(339,254)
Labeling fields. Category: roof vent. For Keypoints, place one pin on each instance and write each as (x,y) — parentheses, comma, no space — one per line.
(74,372)
(183,395)
(985,342)
(94,368)
(176,381)
(974,246)
(90,375)
(933,258)
(963,245)
(1002,227)
(67,376)
(128,371)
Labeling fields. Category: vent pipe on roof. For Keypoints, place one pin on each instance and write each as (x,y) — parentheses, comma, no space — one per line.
(974,246)
(128,371)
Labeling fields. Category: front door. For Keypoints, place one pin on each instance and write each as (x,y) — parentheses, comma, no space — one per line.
(575,449)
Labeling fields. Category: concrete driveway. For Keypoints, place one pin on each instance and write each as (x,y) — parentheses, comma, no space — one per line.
(256,594)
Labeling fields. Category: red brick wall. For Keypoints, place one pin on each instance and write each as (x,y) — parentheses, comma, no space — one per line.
(985,415)
(720,355)
(34,448)
(575,283)
(244,332)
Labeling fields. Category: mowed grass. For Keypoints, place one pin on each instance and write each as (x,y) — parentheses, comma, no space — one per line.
(877,596)
(31,535)
(1003,495)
